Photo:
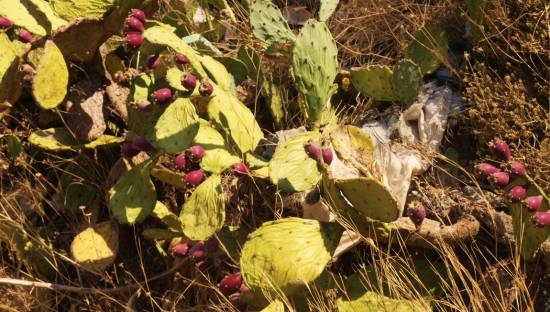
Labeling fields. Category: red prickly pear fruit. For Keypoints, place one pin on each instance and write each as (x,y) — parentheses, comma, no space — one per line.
(139,14)
(134,24)
(500,179)
(517,193)
(27,69)
(24,35)
(162,95)
(327,155)
(313,149)
(417,214)
(196,153)
(128,150)
(5,23)
(541,219)
(134,40)
(181,59)
(230,283)
(144,105)
(189,81)
(206,88)
(212,245)
(194,177)
(197,250)
(240,168)
(180,161)
(516,168)
(502,150)
(244,288)
(141,144)
(533,203)
(180,250)
(153,62)
(484,170)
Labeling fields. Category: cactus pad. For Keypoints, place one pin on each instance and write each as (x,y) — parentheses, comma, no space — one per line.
(291,168)
(50,92)
(74,187)
(217,72)
(14,147)
(133,197)
(176,127)
(407,79)
(275,306)
(69,39)
(60,139)
(21,16)
(11,79)
(374,81)
(429,45)
(52,22)
(218,156)
(96,247)
(172,222)
(314,67)
(203,214)
(268,23)
(327,8)
(373,302)
(355,147)
(287,254)
(174,76)
(73,9)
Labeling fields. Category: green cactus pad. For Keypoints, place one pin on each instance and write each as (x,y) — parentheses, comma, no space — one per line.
(429,45)
(167,217)
(73,9)
(52,22)
(11,79)
(268,23)
(374,302)
(140,122)
(407,79)
(236,67)
(355,147)
(287,254)
(53,139)
(50,92)
(271,93)
(14,147)
(314,67)
(528,236)
(275,306)
(252,61)
(104,140)
(21,16)
(374,81)
(203,214)
(327,8)
(176,127)
(160,234)
(76,187)
(174,76)
(69,39)
(236,119)
(217,72)
(231,239)
(96,247)
(133,197)
(361,198)
(291,168)
(218,156)
(169,176)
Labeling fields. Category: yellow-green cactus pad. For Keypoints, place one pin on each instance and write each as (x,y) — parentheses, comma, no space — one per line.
(327,8)
(172,222)
(374,302)
(291,168)
(203,214)
(53,139)
(73,9)
(21,16)
(11,79)
(104,140)
(218,156)
(143,123)
(160,234)
(176,127)
(69,39)
(96,247)
(47,91)
(134,196)
(217,72)
(275,306)
(407,79)
(236,119)
(374,81)
(236,67)
(314,67)
(174,76)
(355,146)
(268,23)
(52,22)
(169,176)
(287,254)
(429,45)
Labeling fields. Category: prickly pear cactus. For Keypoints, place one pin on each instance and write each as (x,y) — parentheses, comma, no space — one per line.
(21,16)
(14,147)
(10,76)
(356,148)
(176,127)
(174,76)
(203,214)
(73,9)
(373,302)
(69,39)
(268,23)
(50,92)
(60,139)
(170,219)
(52,21)
(374,81)
(96,247)
(218,73)
(291,168)
(218,156)
(275,306)
(327,8)
(287,254)
(429,45)
(407,79)
(134,196)
(314,67)
(75,189)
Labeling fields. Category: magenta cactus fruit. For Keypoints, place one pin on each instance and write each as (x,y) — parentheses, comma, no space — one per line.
(141,144)
(180,161)
(500,179)
(162,95)
(244,289)
(533,203)
(139,14)
(484,170)
(153,62)
(313,149)
(134,40)
(240,168)
(517,193)
(195,153)
(189,81)
(541,219)
(128,150)
(417,214)
(230,283)
(206,88)
(502,150)
(134,24)
(181,59)
(516,168)
(327,155)
(197,251)
(194,177)
(144,105)
(24,35)
(5,23)
(180,250)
